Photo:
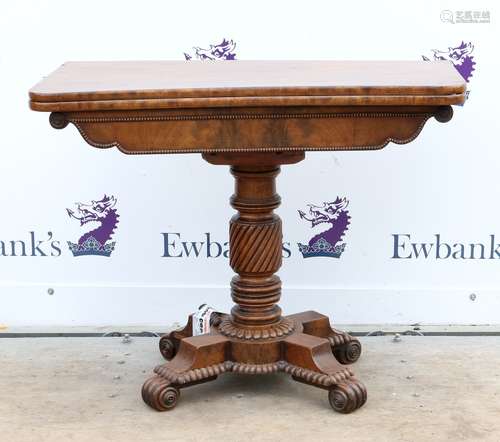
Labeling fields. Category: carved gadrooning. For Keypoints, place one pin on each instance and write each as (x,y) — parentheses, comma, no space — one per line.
(161,391)
(339,337)
(282,328)
(172,377)
(190,376)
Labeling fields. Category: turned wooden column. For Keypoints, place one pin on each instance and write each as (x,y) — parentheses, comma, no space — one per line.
(256,243)
(255,240)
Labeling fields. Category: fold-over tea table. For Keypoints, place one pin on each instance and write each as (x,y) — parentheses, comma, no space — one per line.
(253,116)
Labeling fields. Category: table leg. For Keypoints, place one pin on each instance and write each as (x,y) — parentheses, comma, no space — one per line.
(199,359)
(346,348)
(255,338)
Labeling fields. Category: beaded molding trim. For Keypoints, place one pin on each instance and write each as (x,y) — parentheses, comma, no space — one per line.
(198,374)
(59,121)
(242,116)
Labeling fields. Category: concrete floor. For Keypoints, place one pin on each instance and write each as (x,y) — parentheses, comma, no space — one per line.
(88,389)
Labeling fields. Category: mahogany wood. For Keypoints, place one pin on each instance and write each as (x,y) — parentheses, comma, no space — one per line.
(97,86)
(254,117)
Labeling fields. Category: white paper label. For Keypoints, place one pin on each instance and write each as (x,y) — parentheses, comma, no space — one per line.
(201,320)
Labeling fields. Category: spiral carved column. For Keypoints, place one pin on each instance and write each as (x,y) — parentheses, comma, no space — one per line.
(255,240)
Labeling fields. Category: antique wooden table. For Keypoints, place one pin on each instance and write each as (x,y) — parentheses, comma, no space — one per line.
(253,116)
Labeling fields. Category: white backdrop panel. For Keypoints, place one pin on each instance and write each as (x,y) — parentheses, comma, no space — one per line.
(445,183)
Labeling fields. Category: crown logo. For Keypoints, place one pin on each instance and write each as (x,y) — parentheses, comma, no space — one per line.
(91,246)
(322,248)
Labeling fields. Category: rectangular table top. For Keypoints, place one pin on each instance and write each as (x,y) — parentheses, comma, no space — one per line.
(135,85)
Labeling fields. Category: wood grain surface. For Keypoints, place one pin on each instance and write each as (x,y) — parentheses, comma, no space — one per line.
(125,85)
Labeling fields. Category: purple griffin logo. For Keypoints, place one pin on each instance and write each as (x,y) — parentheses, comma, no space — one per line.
(222,51)
(97,241)
(461,58)
(328,242)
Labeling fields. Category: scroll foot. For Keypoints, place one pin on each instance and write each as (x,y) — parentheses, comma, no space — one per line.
(348,352)
(198,359)
(309,360)
(159,394)
(169,343)
(347,396)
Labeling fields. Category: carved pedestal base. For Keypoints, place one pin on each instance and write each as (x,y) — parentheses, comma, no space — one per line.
(303,345)
(256,338)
